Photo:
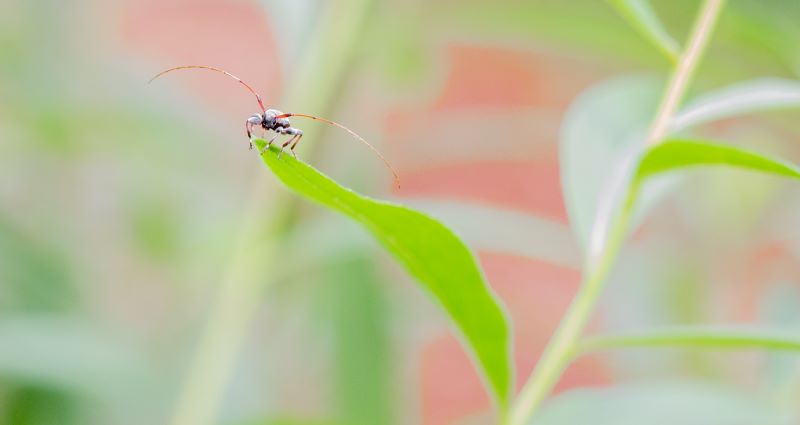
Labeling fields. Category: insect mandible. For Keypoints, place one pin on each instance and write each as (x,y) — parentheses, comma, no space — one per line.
(278,122)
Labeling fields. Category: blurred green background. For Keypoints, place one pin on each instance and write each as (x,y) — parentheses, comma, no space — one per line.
(122,205)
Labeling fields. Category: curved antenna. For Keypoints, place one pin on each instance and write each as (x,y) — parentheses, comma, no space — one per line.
(355,135)
(247,86)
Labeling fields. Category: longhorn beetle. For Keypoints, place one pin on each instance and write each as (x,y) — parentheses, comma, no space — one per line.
(277,121)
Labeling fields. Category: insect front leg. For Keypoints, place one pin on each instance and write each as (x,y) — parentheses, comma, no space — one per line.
(266,147)
(249,126)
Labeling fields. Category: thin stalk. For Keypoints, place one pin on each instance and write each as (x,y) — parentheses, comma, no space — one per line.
(563,345)
(690,58)
(565,342)
(263,227)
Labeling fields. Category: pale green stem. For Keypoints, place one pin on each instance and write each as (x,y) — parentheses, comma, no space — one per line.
(240,293)
(561,348)
(563,345)
(683,73)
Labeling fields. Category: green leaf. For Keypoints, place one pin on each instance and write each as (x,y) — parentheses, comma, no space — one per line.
(674,154)
(362,359)
(32,405)
(601,142)
(661,403)
(431,253)
(34,276)
(494,229)
(641,16)
(728,337)
(606,123)
(670,155)
(738,99)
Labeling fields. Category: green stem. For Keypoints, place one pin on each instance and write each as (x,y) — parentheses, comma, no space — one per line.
(562,347)
(564,344)
(263,227)
(685,69)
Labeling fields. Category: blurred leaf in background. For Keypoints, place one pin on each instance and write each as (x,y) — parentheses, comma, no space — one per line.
(41,405)
(363,383)
(662,403)
(35,277)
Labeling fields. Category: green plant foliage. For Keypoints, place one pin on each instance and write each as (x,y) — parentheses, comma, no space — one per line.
(31,405)
(671,155)
(641,16)
(779,308)
(431,253)
(728,337)
(588,26)
(602,134)
(71,355)
(499,230)
(289,421)
(738,99)
(603,125)
(36,277)
(676,154)
(660,403)
(362,361)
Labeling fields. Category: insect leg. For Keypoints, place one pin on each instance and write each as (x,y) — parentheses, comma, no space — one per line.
(283,146)
(270,142)
(291,148)
(249,128)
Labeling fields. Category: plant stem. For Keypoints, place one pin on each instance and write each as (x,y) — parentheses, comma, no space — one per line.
(263,227)
(685,69)
(563,345)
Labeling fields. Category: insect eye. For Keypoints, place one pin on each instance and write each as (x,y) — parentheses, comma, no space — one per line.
(254,119)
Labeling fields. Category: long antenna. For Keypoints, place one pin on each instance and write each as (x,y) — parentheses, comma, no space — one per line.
(355,135)
(247,86)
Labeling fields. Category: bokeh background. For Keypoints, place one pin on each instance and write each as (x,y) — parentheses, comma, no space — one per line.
(123,205)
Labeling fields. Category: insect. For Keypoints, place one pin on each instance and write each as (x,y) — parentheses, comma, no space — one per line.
(278,122)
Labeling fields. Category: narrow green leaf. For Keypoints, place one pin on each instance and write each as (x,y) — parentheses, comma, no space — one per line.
(728,337)
(662,403)
(494,229)
(431,253)
(674,154)
(601,145)
(641,16)
(602,127)
(361,355)
(738,99)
